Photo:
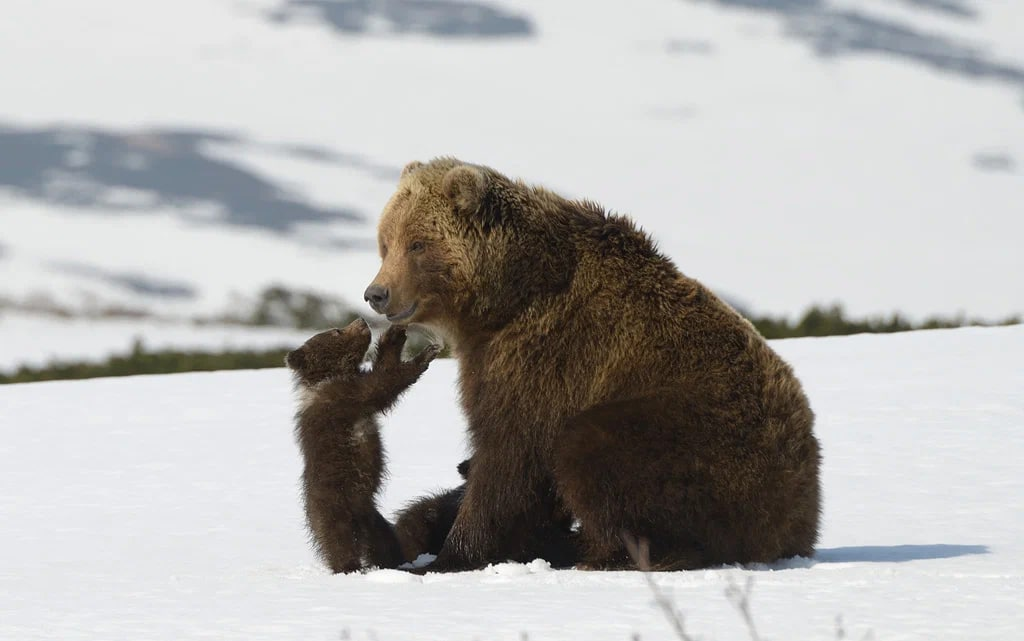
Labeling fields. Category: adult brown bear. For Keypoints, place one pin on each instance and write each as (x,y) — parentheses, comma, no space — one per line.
(598,382)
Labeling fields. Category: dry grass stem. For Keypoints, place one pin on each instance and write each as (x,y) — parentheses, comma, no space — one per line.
(639,551)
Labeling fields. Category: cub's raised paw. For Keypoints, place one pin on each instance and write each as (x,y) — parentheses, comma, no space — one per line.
(389,348)
(390,373)
(428,354)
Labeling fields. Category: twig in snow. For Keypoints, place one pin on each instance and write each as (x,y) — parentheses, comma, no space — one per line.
(639,551)
(740,598)
(841,631)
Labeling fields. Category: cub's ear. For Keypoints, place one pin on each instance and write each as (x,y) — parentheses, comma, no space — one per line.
(467,187)
(411,167)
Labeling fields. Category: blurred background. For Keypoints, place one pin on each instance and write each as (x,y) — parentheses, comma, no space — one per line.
(195,184)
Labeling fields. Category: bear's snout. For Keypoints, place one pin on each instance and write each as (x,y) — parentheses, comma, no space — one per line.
(377,296)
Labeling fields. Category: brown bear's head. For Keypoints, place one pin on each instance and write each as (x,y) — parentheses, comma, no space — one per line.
(464,248)
(335,353)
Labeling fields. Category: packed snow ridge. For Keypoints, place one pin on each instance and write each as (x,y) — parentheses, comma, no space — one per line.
(167,507)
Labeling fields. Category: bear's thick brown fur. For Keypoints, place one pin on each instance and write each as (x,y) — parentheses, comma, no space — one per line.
(339,437)
(600,384)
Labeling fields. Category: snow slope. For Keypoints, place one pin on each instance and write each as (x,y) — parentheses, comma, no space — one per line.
(27,339)
(167,507)
(174,154)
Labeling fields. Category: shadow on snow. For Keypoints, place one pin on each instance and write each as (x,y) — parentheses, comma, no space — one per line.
(438,18)
(833,32)
(139,284)
(138,172)
(896,553)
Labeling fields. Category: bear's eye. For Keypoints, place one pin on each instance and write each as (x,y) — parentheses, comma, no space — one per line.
(416,246)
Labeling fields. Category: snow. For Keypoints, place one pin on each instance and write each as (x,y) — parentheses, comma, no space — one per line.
(173,155)
(34,340)
(167,507)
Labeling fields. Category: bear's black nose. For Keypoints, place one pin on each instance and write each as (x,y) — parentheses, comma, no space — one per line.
(377,296)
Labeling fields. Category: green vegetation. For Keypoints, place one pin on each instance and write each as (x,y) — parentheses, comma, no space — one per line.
(832,321)
(281,307)
(142,361)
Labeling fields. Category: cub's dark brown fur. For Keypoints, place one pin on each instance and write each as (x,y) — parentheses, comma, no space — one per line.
(338,434)
(423,526)
(598,381)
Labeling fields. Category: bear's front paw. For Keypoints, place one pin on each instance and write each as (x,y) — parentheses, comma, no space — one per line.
(446,562)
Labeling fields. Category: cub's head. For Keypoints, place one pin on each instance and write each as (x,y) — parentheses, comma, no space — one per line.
(463,247)
(335,353)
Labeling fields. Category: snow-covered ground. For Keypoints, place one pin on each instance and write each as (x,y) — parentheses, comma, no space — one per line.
(173,154)
(27,339)
(167,507)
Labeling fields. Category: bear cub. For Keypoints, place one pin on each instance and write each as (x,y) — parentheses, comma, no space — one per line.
(339,437)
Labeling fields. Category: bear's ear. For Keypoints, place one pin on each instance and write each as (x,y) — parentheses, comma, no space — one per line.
(411,167)
(465,186)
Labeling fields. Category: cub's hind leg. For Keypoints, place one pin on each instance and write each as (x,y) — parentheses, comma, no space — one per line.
(382,546)
(423,525)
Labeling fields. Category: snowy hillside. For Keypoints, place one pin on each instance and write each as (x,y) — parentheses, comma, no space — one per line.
(38,341)
(172,155)
(167,507)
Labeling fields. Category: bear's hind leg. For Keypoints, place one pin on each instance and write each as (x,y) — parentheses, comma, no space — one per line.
(616,468)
